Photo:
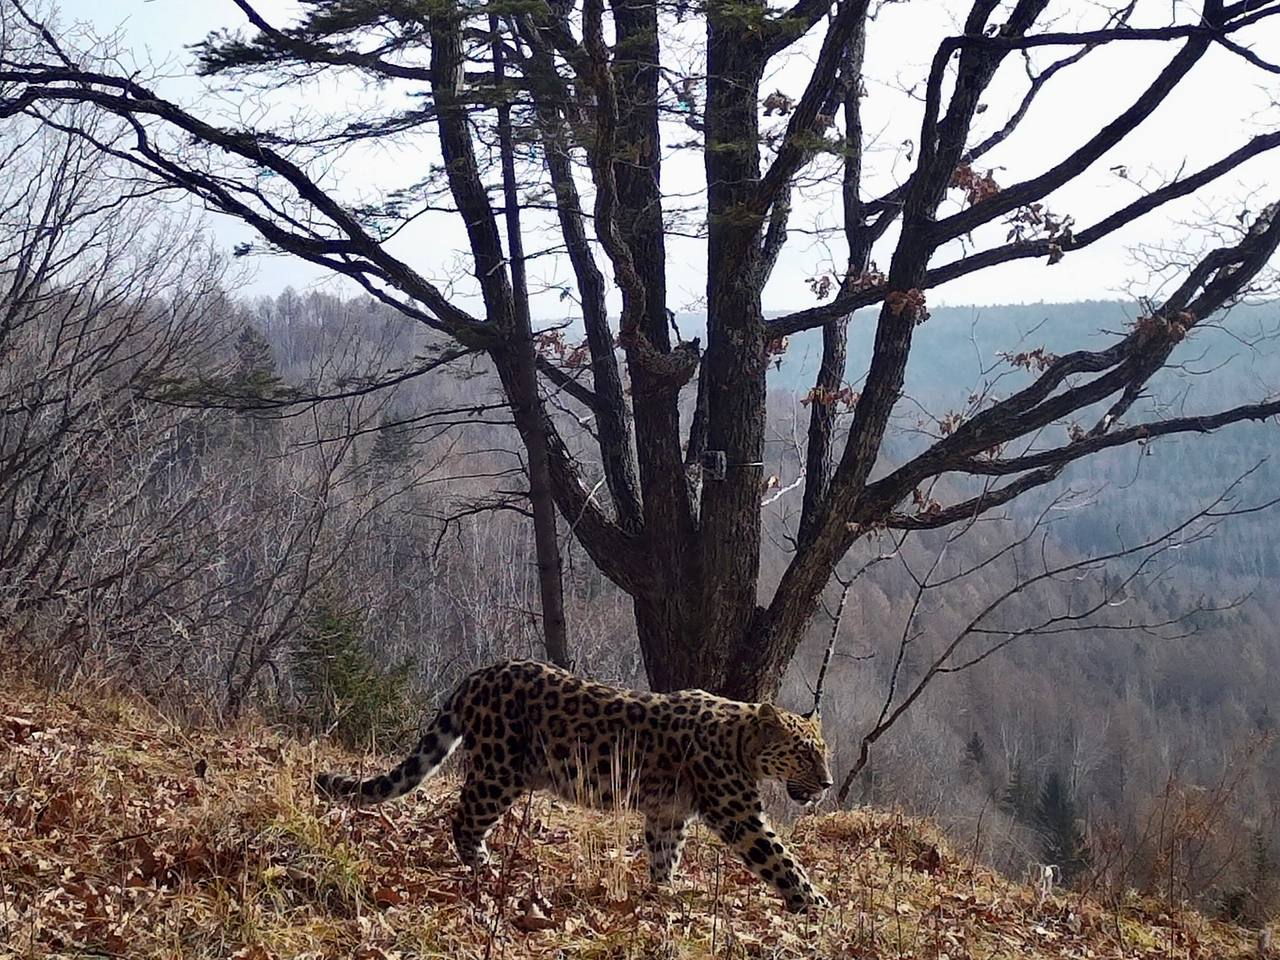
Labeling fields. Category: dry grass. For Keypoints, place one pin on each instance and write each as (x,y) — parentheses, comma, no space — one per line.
(122,835)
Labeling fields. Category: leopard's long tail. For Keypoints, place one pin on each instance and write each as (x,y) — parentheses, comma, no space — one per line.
(432,750)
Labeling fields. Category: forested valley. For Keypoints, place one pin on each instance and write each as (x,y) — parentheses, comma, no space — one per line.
(236,522)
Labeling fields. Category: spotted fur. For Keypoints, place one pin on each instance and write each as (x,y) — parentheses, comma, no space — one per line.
(529,726)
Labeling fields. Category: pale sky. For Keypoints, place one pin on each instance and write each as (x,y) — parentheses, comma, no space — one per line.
(1223,104)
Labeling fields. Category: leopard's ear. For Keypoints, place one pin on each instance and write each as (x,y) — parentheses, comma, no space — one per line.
(770,717)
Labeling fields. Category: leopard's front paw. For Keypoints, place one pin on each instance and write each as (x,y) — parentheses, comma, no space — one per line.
(806,901)
(476,859)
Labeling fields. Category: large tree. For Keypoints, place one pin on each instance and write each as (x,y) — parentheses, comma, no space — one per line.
(549,114)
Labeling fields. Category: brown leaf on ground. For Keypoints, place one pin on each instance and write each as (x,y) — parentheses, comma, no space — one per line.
(532,918)
(387,897)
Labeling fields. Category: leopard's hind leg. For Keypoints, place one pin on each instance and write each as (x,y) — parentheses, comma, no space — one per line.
(485,797)
(664,837)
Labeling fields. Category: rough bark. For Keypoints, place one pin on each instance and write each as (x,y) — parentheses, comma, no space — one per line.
(667,621)
(823,407)
(734,363)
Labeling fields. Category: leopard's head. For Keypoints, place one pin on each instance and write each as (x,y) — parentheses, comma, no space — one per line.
(791,749)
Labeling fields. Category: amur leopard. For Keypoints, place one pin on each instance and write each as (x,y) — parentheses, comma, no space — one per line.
(530,726)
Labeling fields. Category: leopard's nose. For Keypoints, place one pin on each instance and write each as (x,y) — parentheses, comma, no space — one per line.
(826,781)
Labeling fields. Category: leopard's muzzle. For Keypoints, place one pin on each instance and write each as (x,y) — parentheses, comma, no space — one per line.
(807,793)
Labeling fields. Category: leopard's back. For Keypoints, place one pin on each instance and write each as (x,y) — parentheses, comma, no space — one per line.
(534,726)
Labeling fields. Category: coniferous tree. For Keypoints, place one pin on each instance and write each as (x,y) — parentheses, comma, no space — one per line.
(1057,820)
(340,687)
(254,374)
(975,756)
(1019,799)
(1266,719)
(1264,884)
(391,446)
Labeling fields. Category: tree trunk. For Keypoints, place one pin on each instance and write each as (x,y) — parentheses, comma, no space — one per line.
(735,360)
(524,385)
(667,619)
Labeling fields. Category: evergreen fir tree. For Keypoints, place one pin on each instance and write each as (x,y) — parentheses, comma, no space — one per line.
(391,447)
(1264,883)
(254,375)
(975,756)
(1019,800)
(1057,820)
(250,377)
(1266,719)
(342,689)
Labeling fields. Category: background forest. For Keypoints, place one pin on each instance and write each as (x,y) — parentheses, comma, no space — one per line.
(185,508)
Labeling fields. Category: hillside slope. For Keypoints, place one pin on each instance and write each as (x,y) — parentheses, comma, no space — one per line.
(122,835)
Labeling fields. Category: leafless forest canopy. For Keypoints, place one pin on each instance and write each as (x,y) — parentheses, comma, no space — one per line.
(1032,568)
